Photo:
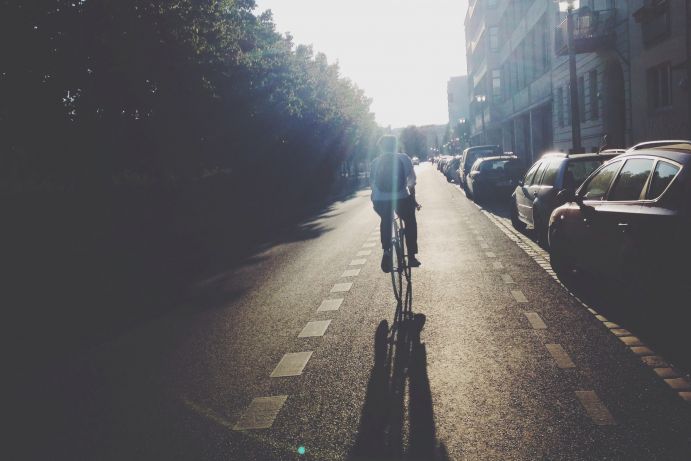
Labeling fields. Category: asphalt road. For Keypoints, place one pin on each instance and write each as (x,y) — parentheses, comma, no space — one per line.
(508,364)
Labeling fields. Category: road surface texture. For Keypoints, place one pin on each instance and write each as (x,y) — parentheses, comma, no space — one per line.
(291,352)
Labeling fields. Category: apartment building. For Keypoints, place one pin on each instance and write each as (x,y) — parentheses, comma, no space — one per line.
(458,104)
(632,73)
(660,54)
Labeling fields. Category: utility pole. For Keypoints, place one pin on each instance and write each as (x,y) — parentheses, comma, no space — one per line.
(575,106)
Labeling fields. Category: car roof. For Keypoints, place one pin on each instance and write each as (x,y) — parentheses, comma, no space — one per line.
(592,155)
(489,146)
(660,143)
(675,153)
(497,157)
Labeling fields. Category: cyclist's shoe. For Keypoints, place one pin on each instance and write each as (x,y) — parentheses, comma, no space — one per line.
(386,261)
(413,261)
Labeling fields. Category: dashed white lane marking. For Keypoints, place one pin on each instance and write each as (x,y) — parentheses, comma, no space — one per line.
(490,254)
(364,253)
(369,245)
(679,384)
(357,262)
(535,321)
(507,278)
(560,356)
(342,287)
(686,395)
(261,413)
(497,265)
(330,305)
(595,408)
(666,372)
(351,273)
(519,296)
(315,328)
(291,364)
(630,341)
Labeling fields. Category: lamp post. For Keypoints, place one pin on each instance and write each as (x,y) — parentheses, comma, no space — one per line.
(570,5)
(481,98)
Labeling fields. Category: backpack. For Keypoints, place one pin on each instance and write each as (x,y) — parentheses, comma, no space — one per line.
(390,175)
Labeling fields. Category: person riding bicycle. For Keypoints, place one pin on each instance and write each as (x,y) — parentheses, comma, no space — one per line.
(392,178)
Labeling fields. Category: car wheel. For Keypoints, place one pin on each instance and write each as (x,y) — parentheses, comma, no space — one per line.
(558,257)
(540,228)
(515,220)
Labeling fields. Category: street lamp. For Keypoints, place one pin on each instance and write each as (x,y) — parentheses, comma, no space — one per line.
(481,98)
(569,6)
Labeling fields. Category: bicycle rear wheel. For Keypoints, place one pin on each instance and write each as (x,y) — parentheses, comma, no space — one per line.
(397,262)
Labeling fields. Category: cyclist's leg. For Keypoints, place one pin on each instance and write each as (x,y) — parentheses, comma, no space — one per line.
(406,210)
(385,212)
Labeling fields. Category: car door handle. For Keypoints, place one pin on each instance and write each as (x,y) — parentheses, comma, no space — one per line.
(623,225)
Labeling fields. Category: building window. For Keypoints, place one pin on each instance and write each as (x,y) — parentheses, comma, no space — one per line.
(560,106)
(594,100)
(496,84)
(494,38)
(581,98)
(655,21)
(659,86)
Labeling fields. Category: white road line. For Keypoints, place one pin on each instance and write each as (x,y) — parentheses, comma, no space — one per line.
(342,287)
(314,328)
(519,296)
(261,413)
(630,341)
(330,305)
(292,364)
(507,278)
(490,254)
(351,273)
(535,321)
(357,262)
(679,384)
(666,372)
(364,253)
(595,408)
(560,356)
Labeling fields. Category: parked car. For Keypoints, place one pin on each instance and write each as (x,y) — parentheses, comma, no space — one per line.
(468,158)
(451,169)
(631,219)
(535,197)
(493,177)
(415,160)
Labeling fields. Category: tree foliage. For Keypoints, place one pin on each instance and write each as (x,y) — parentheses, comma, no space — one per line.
(414,141)
(97,92)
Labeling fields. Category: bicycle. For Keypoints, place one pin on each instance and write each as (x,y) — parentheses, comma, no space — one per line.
(399,258)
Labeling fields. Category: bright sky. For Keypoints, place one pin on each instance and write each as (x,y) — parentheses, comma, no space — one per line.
(400,52)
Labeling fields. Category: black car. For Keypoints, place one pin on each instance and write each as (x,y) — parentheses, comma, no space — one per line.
(534,199)
(631,219)
(468,158)
(493,177)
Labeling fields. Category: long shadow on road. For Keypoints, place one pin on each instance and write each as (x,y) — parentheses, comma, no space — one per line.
(400,360)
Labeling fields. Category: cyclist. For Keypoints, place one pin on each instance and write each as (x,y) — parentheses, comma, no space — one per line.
(392,178)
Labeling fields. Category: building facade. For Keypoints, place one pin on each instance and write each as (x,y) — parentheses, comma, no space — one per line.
(660,54)
(457,95)
(519,79)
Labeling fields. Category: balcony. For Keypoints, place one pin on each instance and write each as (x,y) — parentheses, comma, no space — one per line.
(592,31)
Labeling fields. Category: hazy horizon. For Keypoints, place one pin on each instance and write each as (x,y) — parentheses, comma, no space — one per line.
(400,53)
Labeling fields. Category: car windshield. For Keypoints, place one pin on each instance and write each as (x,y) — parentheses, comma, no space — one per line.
(494,166)
(580,169)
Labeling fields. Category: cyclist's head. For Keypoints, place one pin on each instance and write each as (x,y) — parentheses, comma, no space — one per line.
(388,144)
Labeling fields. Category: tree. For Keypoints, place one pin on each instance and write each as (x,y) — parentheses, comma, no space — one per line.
(414,141)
